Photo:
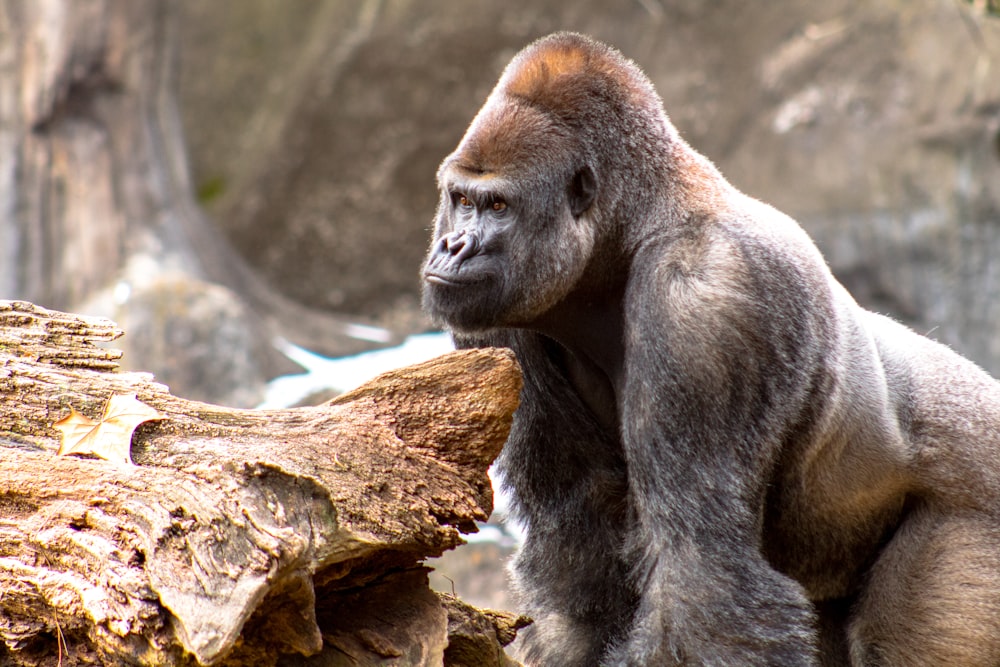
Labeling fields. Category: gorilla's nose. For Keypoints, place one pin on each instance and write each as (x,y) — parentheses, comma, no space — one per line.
(460,245)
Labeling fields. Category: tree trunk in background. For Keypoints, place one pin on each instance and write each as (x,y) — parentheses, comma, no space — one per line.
(95,189)
(241,537)
(96,209)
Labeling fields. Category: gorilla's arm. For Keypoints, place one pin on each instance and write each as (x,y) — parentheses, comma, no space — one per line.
(721,357)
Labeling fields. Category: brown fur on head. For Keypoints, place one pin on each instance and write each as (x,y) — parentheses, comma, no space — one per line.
(553,70)
(568,92)
(538,69)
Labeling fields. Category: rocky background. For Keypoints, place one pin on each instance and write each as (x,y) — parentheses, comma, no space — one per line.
(213,175)
(315,129)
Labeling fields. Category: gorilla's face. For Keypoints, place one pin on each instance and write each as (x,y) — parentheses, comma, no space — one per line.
(510,241)
(472,259)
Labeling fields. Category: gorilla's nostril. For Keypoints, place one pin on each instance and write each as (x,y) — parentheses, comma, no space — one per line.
(461,245)
(455,242)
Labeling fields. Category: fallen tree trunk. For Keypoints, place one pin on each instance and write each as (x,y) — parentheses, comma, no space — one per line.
(240,537)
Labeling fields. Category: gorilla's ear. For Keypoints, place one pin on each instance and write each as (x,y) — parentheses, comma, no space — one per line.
(582,190)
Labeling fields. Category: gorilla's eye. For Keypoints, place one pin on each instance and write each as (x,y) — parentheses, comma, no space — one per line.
(499,205)
(463,201)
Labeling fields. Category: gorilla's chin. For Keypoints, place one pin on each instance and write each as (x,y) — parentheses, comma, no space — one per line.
(459,306)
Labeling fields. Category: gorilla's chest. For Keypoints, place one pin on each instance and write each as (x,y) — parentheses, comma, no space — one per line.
(594,388)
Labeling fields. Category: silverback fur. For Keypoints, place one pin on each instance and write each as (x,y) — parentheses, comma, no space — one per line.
(720,458)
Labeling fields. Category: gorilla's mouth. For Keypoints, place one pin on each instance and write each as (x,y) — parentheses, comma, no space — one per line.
(438,279)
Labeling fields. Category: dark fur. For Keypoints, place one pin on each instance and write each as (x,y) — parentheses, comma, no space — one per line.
(720,459)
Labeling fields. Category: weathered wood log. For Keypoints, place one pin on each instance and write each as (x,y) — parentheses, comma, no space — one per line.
(239,536)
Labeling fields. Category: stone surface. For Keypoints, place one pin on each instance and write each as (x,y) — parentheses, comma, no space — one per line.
(207,343)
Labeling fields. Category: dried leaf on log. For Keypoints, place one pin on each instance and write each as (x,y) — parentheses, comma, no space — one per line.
(110,437)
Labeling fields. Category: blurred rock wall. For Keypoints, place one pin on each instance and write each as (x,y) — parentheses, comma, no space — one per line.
(315,129)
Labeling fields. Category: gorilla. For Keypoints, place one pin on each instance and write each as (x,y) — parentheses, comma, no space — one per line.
(719,458)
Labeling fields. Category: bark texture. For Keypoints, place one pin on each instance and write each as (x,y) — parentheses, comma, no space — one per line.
(240,537)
